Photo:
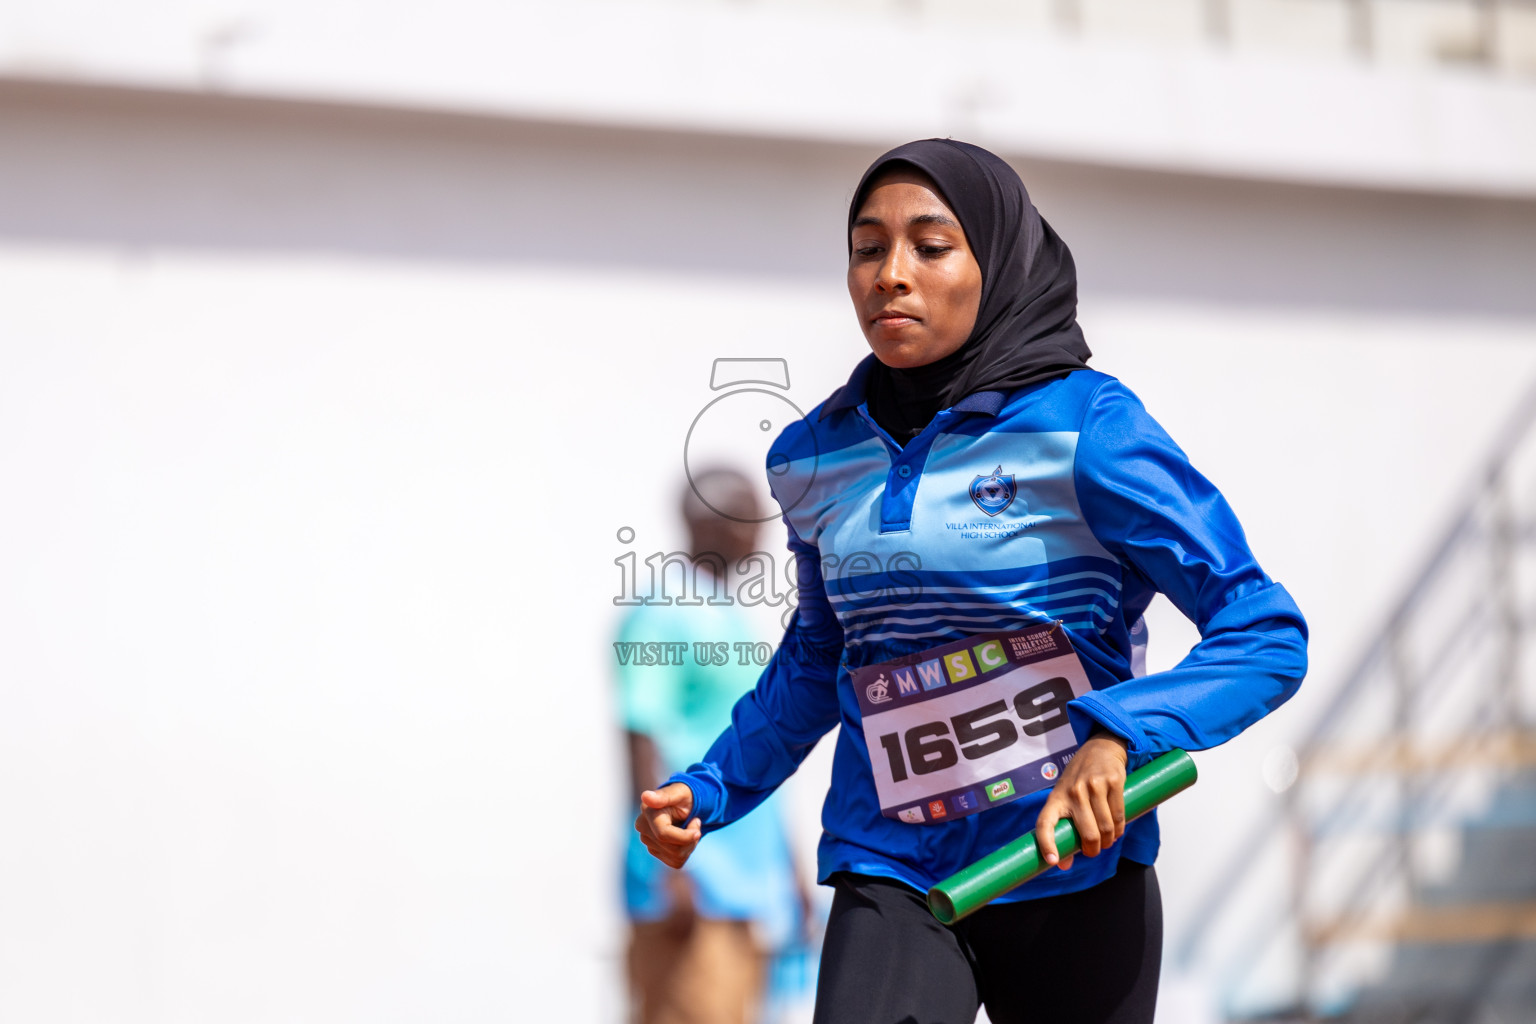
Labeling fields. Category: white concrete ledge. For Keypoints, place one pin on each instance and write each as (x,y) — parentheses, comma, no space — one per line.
(804,73)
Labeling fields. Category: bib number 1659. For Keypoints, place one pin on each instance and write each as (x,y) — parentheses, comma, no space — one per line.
(978,732)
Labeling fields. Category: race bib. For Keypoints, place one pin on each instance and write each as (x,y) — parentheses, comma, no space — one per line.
(970,725)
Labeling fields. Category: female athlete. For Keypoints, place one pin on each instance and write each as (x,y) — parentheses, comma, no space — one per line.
(979,522)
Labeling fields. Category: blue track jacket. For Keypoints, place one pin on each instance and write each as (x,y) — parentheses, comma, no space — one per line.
(894,556)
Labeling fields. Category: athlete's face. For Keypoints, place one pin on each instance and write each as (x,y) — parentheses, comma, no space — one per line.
(915,284)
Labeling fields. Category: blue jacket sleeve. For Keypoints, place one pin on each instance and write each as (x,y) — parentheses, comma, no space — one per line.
(776,724)
(1164,521)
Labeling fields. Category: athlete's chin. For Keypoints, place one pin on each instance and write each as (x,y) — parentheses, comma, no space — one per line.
(904,353)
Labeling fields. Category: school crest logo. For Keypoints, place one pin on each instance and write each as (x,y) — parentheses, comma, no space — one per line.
(993,492)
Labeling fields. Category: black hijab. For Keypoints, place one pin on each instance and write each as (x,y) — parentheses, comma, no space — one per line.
(1026,326)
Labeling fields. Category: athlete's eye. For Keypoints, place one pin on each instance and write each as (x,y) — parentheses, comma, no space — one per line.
(935,250)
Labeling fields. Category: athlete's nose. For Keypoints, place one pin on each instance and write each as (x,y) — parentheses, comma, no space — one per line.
(893,277)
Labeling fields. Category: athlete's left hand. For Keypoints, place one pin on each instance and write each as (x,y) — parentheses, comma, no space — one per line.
(1091,791)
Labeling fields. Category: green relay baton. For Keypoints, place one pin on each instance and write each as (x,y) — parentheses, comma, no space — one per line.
(971,888)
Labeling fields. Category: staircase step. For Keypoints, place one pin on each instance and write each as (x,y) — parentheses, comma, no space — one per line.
(1442,925)
(1402,756)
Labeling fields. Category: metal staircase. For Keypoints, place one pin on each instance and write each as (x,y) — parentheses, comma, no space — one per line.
(1408,837)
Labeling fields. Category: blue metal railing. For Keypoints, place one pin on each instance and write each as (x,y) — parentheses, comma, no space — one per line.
(1482,538)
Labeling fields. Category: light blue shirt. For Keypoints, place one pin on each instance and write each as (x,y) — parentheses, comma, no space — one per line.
(746,873)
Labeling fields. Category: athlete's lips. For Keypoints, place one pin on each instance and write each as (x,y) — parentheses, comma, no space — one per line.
(894,318)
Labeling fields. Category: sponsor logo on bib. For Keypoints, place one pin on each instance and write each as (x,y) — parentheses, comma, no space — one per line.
(998,790)
(936,809)
(912,815)
(1049,771)
(879,691)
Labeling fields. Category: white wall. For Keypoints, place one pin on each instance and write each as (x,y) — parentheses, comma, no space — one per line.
(858,70)
(317,426)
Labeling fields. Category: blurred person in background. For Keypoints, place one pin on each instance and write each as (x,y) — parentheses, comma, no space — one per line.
(974,496)
(701,939)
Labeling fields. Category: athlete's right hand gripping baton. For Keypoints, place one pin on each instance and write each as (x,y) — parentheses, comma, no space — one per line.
(971,888)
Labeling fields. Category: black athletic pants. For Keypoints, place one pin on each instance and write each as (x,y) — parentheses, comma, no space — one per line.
(1089,957)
